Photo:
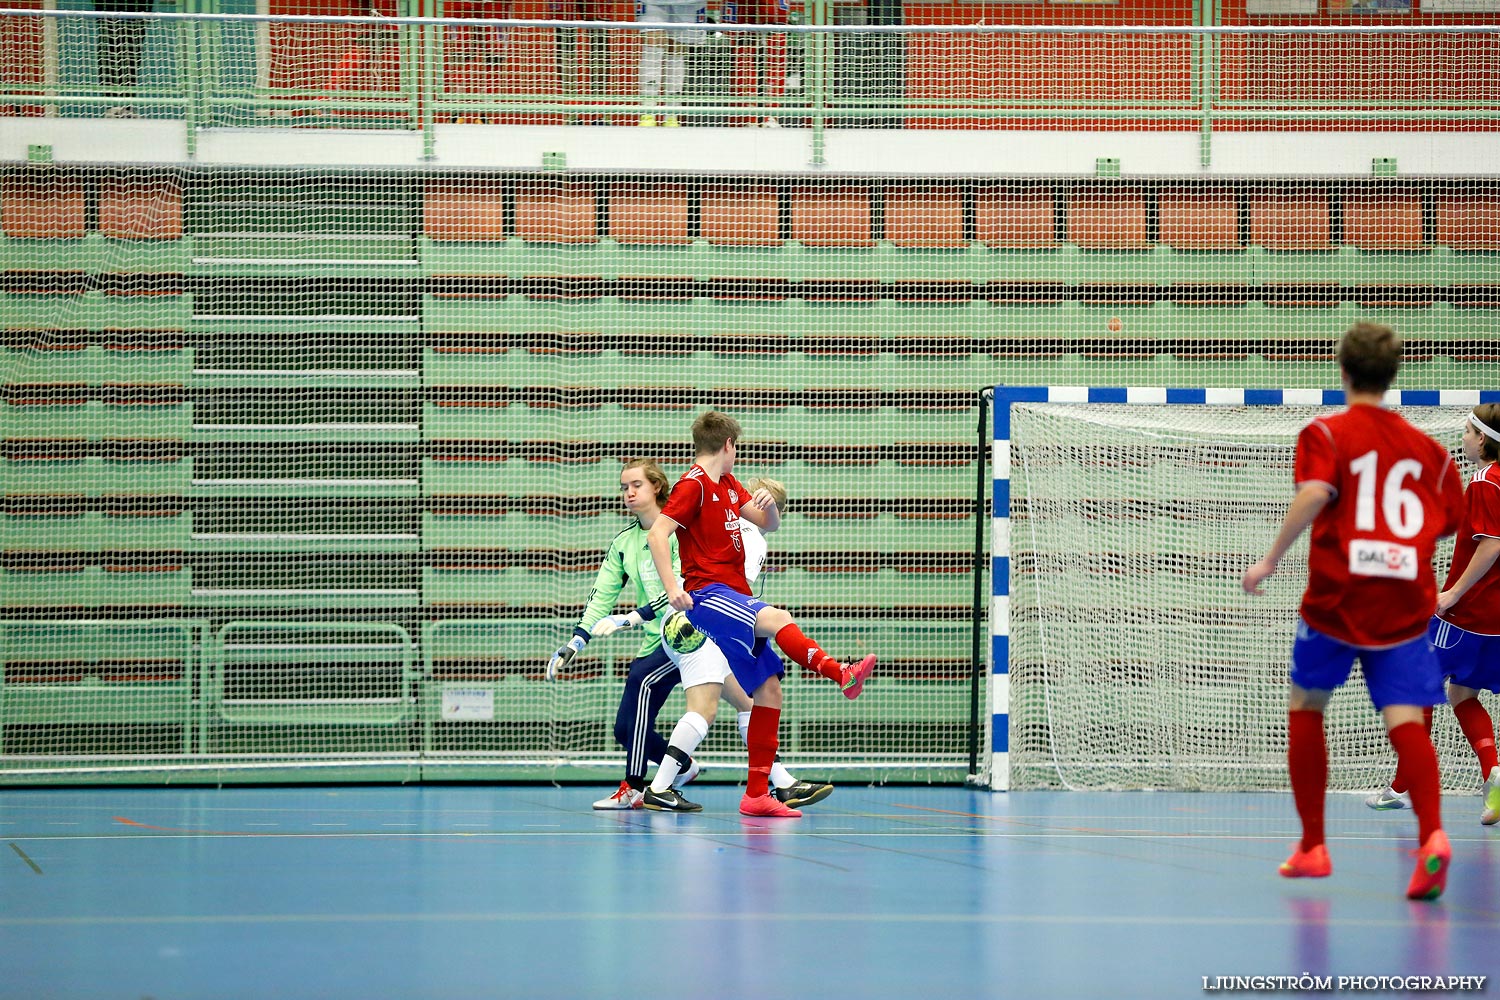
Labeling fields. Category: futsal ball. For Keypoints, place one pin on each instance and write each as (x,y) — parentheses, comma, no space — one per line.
(680,635)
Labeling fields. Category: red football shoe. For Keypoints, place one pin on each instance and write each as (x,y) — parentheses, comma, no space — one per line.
(767,805)
(1431,876)
(854,677)
(1308,864)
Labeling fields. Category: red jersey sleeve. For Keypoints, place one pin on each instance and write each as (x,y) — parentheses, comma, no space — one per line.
(1484,507)
(686,501)
(1316,461)
(1479,609)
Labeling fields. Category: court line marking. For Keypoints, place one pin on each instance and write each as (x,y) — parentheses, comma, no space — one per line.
(26,858)
(1065,834)
(1279,921)
(167,833)
(655,822)
(721,838)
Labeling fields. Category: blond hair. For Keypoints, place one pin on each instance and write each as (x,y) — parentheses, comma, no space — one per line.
(777,491)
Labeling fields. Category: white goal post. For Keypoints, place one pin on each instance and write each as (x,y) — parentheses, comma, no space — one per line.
(1123,652)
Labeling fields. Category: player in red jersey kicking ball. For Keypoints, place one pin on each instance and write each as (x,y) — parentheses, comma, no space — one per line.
(704,510)
(1378,494)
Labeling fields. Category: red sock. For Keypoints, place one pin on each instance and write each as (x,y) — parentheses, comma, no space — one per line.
(1417,762)
(806,652)
(761,740)
(1307,763)
(1398,783)
(1476,724)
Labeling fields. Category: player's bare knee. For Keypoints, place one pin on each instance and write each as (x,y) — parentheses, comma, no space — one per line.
(768,695)
(1458,694)
(770,620)
(735,695)
(703,703)
(704,699)
(1400,715)
(1308,700)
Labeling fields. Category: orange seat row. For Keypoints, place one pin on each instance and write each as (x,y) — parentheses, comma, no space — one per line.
(1005,215)
(54,206)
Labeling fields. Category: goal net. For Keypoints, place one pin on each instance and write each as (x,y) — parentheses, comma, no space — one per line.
(1135,659)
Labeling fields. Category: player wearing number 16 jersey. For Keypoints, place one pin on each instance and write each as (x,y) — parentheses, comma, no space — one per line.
(1378,494)
(1393,492)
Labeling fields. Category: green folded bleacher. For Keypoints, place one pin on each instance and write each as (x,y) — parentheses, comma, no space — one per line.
(92,688)
(339,451)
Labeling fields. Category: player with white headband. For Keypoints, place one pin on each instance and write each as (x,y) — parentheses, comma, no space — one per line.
(1465,632)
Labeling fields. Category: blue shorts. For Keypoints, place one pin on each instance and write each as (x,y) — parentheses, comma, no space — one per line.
(728,617)
(1407,674)
(1471,659)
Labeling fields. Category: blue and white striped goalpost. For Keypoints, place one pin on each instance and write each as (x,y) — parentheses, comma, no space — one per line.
(1003,397)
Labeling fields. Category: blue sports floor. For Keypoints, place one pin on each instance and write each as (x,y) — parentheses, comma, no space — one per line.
(460,892)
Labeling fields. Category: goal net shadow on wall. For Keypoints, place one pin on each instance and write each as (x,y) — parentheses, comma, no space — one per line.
(1124,654)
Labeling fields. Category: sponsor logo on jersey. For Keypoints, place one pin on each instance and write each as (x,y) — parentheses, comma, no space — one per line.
(732,526)
(1372,557)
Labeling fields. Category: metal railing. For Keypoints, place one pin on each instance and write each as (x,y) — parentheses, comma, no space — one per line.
(419,70)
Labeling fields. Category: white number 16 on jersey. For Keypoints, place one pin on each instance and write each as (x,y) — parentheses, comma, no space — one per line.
(1403,516)
(1402,508)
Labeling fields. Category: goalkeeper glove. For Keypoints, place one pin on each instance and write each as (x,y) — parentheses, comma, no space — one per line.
(616,623)
(563,656)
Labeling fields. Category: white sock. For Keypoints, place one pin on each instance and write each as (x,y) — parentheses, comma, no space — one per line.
(690,730)
(676,72)
(780,776)
(652,58)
